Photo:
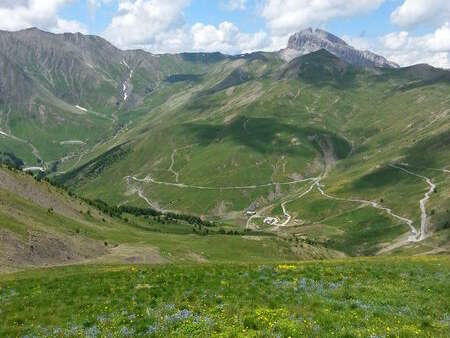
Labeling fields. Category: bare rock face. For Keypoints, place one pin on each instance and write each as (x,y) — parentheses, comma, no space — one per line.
(309,40)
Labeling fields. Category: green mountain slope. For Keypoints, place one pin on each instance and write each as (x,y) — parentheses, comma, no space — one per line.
(62,93)
(41,225)
(281,123)
(312,148)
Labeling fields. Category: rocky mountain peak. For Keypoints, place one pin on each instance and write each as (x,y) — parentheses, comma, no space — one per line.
(309,36)
(309,40)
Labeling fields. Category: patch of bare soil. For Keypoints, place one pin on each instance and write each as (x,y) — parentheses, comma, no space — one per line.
(242,99)
(40,249)
(196,257)
(221,208)
(307,252)
(395,244)
(253,238)
(130,254)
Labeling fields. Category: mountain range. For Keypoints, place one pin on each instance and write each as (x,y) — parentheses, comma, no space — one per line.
(318,140)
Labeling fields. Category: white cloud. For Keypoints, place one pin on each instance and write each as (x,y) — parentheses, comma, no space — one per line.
(413,12)
(225,38)
(15,15)
(440,40)
(234,5)
(94,5)
(405,49)
(64,26)
(287,16)
(159,26)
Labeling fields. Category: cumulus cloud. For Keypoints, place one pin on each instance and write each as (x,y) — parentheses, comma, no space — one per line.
(406,49)
(287,16)
(64,26)
(15,15)
(94,5)
(151,23)
(160,26)
(413,12)
(225,38)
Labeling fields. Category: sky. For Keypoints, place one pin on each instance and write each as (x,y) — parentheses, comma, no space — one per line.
(404,31)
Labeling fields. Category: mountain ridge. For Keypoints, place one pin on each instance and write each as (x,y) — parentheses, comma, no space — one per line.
(312,36)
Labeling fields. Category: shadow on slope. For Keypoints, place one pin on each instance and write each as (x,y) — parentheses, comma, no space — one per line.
(236,78)
(382,177)
(426,153)
(94,167)
(184,78)
(429,152)
(321,69)
(268,136)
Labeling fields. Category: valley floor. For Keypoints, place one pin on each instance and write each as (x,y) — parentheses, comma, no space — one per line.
(370,297)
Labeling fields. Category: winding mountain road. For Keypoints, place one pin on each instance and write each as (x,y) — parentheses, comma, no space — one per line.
(34,150)
(423,201)
(172,157)
(288,216)
(149,179)
(172,163)
(409,222)
(416,234)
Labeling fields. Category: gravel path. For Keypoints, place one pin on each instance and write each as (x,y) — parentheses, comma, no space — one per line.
(423,201)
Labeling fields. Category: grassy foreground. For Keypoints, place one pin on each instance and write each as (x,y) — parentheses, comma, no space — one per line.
(379,297)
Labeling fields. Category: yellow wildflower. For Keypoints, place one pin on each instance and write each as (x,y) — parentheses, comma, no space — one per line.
(287,267)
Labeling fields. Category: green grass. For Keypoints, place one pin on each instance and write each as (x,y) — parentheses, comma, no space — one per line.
(389,297)
(363,230)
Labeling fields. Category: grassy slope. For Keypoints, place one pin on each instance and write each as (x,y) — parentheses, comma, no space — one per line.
(392,297)
(266,130)
(36,217)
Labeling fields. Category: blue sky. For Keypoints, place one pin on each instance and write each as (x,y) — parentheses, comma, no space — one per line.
(406,31)
(209,12)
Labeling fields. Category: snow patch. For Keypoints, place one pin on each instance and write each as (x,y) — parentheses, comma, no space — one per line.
(123,62)
(34,169)
(125,85)
(72,142)
(125,94)
(81,108)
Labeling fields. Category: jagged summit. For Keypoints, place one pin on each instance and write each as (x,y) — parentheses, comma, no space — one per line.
(309,40)
(309,34)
